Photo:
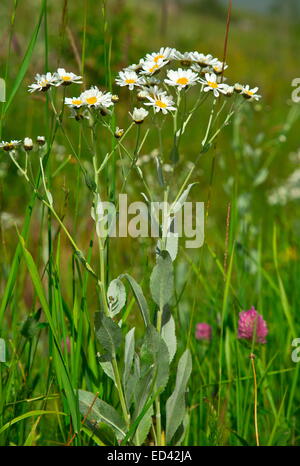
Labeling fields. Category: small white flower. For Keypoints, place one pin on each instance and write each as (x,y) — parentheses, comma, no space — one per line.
(119,132)
(139,115)
(43,82)
(218,66)
(238,88)
(74,102)
(165,54)
(151,67)
(202,59)
(134,66)
(65,78)
(250,93)
(9,146)
(211,84)
(181,78)
(93,97)
(41,140)
(160,101)
(186,58)
(28,144)
(130,79)
(228,90)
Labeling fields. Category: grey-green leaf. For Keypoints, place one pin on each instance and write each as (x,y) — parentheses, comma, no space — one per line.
(162,280)
(97,411)
(108,333)
(139,296)
(175,406)
(116,296)
(128,354)
(181,200)
(2,90)
(106,364)
(168,333)
(2,350)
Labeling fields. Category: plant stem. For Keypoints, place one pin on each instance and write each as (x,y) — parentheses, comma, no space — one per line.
(252,357)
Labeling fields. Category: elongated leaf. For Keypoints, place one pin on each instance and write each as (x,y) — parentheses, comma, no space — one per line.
(168,332)
(106,364)
(175,407)
(143,428)
(38,412)
(2,90)
(26,60)
(161,280)
(72,402)
(154,353)
(181,200)
(2,350)
(96,411)
(108,333)
(139,296)
(128,354)
(116,296)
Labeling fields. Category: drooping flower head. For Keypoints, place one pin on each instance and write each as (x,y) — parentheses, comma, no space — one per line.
(252,326)
(203,331)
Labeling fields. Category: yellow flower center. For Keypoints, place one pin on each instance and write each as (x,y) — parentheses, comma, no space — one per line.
(151,70)
(249,93)
(66,78)
(158,57)
(160,104)
(44,83)
(91,100)
(182,81)
(212,84)
(130,81)
(77,102)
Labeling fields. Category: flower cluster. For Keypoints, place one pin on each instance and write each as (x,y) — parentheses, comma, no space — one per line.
(194,68)
(27,144)
(61,77)
(90,99)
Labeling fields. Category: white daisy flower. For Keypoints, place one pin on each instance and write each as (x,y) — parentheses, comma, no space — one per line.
(218,66)
(41,140)
(93,97)
(250,93)
(211,84)
(181,78)
(74,102)
(165,54)
(160,101)
(186,58)
(28,144)
(151,67)
(64,78)
(229,90)
(238,88)
(202,59)
(139,115)
(130,79)
(119,132)
(9,146)
(43,82)
(135,66)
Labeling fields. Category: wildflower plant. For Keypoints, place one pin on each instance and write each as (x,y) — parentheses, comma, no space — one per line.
(167,84)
